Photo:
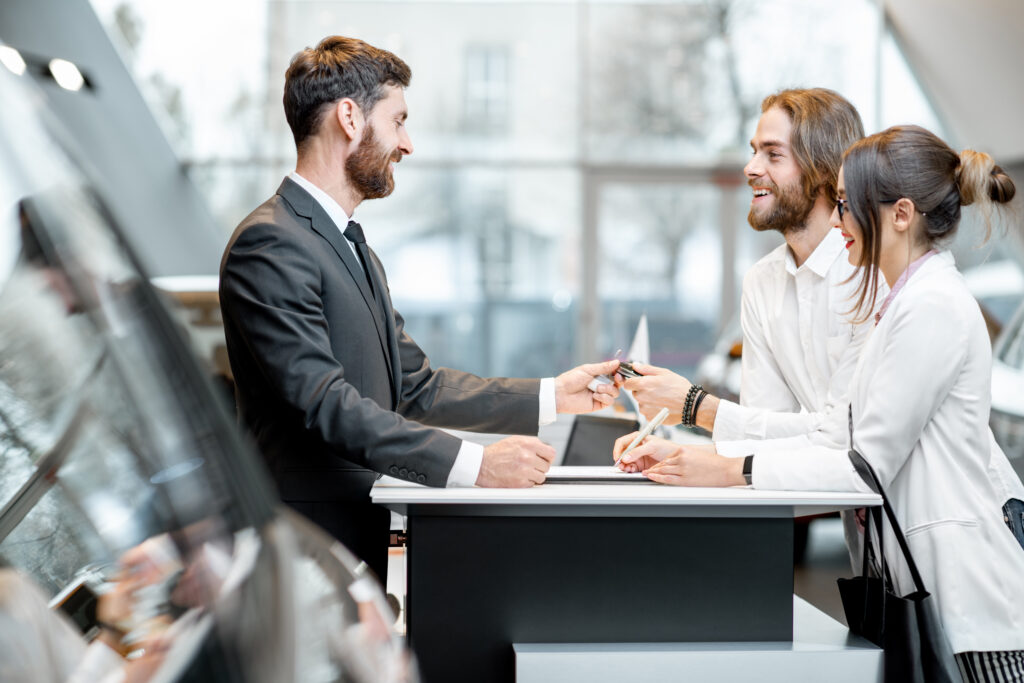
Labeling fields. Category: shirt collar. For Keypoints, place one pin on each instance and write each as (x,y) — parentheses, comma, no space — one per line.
(326,202)
(823,256)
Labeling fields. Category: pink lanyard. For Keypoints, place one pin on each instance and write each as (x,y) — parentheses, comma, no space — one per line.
(901,281)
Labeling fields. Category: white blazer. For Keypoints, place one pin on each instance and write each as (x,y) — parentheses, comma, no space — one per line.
(921,395)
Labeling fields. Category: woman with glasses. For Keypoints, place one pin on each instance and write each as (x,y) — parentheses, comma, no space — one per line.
(920,399)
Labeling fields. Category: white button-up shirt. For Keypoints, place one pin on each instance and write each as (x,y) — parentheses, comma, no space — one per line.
(471,455)
(799,347)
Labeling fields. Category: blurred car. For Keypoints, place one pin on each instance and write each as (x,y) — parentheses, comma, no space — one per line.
(139,534)
(1007,416)
(998,287)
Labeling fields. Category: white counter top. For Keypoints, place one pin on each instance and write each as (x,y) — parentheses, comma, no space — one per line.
(398,495)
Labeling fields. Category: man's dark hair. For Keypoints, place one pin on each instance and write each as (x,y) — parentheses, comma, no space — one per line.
(337,68)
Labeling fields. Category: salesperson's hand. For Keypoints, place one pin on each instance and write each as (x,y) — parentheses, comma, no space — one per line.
(648,453)
(698,466)
(572,394)
(658,388)
(515,462)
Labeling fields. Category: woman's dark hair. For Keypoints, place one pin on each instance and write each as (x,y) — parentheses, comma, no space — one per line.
(337,68)
(911,162)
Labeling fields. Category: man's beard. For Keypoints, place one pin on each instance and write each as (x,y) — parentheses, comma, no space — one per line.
(788,213)
(369,167)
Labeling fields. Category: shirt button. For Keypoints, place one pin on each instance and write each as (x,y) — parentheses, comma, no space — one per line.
(421,478)
(393,469)
(402,472)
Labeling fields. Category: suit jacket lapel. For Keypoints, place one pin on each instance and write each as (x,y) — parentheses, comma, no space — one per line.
(304,205)
(326,228)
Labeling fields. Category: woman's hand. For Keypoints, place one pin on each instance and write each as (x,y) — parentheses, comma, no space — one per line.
(697,466)
(648,453)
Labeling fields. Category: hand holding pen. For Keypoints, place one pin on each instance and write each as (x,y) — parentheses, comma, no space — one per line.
(625,445)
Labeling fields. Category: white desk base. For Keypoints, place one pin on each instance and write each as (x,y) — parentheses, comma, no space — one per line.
(822,649)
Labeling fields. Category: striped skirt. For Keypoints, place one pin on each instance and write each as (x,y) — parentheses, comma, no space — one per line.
(992,667)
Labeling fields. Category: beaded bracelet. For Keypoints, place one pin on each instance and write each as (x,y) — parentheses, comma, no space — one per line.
(688,412)
(696,405)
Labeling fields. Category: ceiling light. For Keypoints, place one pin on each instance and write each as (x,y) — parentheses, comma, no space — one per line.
(66,74)
(11,58)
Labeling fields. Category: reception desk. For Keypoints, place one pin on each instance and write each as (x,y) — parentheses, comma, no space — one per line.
(594,563)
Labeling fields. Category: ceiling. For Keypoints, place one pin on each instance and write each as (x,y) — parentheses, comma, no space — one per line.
(969,58)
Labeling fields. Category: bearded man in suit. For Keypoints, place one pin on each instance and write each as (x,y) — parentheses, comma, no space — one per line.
(327,380)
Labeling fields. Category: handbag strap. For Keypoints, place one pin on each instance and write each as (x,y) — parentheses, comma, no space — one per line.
(864,564)
(883,565)
(867,473)
(874,517)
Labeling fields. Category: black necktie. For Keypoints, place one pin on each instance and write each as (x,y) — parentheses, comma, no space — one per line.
(354,234)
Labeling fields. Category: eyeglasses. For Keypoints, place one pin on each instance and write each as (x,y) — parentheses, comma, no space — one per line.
(841,207)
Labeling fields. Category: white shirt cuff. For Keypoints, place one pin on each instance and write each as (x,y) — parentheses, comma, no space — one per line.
(814,468)
(728,422)
(467,465)
(548,413)
(471,455)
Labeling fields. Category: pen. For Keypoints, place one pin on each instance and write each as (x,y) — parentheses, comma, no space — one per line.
(646,431)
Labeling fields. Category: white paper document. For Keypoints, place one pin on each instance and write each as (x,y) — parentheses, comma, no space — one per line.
(593,473)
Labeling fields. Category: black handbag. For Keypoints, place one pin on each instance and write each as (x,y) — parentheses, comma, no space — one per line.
(907,628)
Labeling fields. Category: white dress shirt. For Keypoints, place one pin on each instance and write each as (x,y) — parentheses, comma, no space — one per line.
(799,347)
(921,395)
(471,455)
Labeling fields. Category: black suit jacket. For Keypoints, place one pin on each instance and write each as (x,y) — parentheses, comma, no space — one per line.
(326,378)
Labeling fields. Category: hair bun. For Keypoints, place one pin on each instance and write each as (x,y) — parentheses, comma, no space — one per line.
(972,176)
(979,178)
(1000,186)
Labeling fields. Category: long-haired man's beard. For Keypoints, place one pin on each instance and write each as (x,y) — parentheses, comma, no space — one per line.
(788,212)
(369,167)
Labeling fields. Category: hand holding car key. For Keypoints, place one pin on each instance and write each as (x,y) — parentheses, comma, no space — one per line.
(624,370)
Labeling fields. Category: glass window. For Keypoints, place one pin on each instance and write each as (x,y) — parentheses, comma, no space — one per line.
(670,251)
(497,254)
(481,262)
(487,88)
(683,81)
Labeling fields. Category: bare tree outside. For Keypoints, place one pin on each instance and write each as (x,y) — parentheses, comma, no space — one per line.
(659,72)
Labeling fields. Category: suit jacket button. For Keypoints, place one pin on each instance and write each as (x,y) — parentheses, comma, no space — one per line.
(393,469)
(421,479)
(402,472)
